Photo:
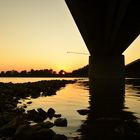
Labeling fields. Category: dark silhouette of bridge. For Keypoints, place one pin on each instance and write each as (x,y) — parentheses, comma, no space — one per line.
(108,27)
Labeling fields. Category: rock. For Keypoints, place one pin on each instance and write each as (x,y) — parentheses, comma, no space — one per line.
(26,132)
(6,117)
(83,111)
(21,129)
(10,128)
(45,134)
(50,113)
(47,124)
(57,115)
(76,138)
(35,132)
(29,102)
(9,107)
(14,103)
(20,109)
(24,106)
(34,115)
(31,113)
(42,113)
(36,126)
(62,122)
(59,137)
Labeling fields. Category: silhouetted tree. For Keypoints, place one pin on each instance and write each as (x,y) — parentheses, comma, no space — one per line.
(23,73)
(2,73)
(82,72)
(62,73)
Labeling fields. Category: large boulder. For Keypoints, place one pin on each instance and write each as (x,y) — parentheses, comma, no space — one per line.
(60,137)
(34,115)
(45,134)
(57,115)
(62,122)
(47,124)
(23,132)
(29,102)
(83,111)
(9,128)
(50,113)
(35,132)
(42,113)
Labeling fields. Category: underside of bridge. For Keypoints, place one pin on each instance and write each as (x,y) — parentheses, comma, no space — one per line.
(108,27)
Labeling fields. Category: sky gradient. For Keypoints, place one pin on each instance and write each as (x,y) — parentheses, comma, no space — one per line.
(37,34)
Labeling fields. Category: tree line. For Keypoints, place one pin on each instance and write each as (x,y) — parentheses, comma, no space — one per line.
(82,72)
(32,73)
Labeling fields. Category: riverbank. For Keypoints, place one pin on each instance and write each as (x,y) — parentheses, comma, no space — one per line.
(17,124)
(79,114)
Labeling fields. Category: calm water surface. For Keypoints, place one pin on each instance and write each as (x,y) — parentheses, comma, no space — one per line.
(74,97)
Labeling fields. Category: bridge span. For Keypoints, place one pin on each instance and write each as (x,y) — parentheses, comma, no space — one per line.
(108,27)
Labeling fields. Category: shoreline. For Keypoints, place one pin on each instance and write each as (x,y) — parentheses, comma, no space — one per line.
(12,118)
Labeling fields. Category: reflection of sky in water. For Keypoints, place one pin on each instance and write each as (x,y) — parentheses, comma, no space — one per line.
(67,101)
(132,98)
(76,96)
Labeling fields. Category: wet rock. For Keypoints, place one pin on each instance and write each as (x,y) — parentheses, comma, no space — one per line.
(83,111)
(76,138)
(45,134)
(21,129)
(26,132)
(59,137)
(14,103)
(50,113)
(11,124)
(34,115)
(29,133)
(9,128)
(9,106)
(29,102)
(42,113)
(20,109)
(36,126)
(51,91)
(62,122)
(57,115)
(6,117)
(47,124)
(24,106)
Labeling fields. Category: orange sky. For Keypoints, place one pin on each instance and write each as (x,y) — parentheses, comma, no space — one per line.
(38,34)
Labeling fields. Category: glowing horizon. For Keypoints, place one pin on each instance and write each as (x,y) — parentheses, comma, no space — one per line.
(38,34)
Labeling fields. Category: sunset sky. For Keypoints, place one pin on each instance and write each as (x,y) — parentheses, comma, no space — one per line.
(37,34)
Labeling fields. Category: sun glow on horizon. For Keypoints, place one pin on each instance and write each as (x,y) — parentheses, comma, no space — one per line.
(38,34)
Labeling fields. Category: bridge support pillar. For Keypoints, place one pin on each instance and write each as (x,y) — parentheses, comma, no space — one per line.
(108,71)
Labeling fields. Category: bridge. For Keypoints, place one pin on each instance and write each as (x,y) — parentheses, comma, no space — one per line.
(108,27)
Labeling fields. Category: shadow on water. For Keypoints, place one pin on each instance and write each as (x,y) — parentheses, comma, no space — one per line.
(107,118)
(135,82)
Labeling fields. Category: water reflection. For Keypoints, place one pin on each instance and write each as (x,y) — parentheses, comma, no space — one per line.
(135,83)
(107,118)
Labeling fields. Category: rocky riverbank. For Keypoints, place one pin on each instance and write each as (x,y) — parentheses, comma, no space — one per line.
(18,124)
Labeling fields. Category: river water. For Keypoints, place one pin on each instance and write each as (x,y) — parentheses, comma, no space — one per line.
(75,97)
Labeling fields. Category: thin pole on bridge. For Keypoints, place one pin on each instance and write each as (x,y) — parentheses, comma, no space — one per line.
(78,53)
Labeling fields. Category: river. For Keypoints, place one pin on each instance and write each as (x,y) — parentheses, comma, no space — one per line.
(75,97)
